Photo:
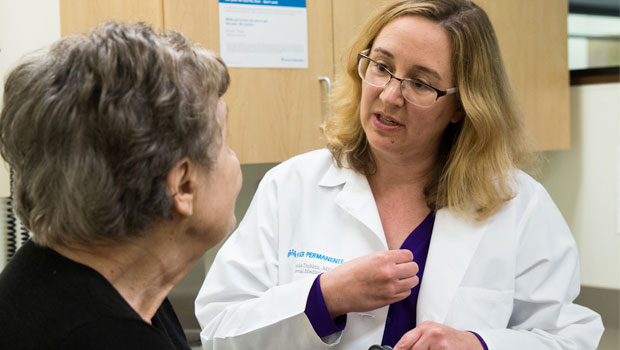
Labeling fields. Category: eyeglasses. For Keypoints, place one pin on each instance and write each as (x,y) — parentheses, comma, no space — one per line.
(413,90)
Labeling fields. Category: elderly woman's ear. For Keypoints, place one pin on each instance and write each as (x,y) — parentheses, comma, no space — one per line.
(181,182)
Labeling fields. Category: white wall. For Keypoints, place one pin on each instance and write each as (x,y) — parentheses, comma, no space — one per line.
(584,51)
(585,181)
(25,26)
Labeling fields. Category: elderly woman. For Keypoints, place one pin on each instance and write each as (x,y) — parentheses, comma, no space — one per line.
(123,176)
(415,227)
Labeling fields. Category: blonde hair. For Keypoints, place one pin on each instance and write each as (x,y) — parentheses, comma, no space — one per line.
(478,153)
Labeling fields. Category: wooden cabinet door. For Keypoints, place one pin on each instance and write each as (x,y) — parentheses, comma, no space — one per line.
(274,114)
(349,16)
(78,16)
(533,38)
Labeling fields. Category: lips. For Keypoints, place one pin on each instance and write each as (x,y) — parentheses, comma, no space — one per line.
(387,120)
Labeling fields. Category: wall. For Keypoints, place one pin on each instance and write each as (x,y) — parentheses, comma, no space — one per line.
(590,41)
(585,181)
(25,26)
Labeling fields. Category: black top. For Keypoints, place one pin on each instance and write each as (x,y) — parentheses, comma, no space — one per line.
(50,302)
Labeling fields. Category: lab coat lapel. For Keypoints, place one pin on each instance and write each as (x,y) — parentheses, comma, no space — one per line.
(356,198)
(453,243)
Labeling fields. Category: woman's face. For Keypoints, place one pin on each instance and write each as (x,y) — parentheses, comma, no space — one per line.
(416,48)
(220,187)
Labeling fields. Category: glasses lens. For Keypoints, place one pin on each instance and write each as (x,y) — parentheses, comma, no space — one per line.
(373,73)
(418,93)
(414,91)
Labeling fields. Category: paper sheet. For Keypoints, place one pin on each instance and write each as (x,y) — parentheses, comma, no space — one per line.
(264,33)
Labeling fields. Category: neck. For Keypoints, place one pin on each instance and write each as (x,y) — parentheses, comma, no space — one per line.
(399,172)
(142,270)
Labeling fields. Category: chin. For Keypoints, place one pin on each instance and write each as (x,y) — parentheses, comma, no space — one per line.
(381,143)
(233,223)
(228,230)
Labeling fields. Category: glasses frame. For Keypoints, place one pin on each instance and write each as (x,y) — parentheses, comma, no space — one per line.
(440,93)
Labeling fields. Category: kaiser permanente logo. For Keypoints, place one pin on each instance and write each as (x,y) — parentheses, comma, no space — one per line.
(312,255)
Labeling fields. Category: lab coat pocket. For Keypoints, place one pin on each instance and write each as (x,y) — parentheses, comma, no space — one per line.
(479,308)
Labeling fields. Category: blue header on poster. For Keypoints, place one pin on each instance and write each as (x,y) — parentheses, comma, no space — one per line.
(287,3)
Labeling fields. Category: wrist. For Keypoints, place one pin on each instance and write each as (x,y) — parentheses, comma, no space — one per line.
(318,315)
(477,340)
(334,305)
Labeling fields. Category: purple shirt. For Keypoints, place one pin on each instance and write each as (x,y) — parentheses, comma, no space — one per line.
(401,316)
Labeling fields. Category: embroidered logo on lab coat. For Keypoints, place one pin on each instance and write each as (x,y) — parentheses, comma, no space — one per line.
(313,263)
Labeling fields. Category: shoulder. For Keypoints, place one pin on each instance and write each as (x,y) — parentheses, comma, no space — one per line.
(524,195)
(41,289)
(528,190)
(531,205)
(524,185)
(306,167)
(321,158)
(116,334)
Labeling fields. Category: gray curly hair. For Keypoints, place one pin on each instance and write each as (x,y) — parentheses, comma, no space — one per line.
(93,127)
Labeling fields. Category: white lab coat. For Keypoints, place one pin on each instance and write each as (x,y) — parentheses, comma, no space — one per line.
(511,278)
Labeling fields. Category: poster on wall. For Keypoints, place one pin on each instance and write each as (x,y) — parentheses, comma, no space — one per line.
(264,33)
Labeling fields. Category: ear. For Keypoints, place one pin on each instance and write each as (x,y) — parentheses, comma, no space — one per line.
(182,186)
(459,113)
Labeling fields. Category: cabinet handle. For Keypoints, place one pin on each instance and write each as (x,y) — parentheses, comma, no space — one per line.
(329,83)
(329,90)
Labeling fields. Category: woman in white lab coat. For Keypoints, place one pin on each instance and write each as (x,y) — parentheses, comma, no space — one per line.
(415,228)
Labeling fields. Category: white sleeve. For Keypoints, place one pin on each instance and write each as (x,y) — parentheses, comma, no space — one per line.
(546,284)
(241,304)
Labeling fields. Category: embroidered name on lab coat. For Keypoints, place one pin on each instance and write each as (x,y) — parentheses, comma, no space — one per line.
(313,262)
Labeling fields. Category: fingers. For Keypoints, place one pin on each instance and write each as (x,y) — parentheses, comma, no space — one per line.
(369,282)
(401,255)
(406,270)
(402,288)
(404,274)
(408,283)
(408,340)
(432,335)
(405,266)
(421,338)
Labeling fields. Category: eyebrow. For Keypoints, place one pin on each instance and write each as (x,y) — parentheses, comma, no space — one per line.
(415,67)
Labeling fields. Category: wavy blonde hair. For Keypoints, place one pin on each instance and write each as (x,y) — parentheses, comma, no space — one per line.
(478,153)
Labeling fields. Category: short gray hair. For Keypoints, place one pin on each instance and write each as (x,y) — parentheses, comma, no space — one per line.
(93,127)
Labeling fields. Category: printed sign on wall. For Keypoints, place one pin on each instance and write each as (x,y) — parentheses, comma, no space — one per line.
(264,33)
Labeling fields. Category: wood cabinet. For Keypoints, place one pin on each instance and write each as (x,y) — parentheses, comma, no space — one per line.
(77,16)
(533,37)
(276,113)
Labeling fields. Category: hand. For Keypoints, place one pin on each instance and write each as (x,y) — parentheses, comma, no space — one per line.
(434,336)
(369,282)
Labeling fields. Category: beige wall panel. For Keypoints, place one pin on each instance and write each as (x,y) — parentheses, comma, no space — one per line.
(349,16)
(274,113)
(533,39)
(197,19)
(78,16)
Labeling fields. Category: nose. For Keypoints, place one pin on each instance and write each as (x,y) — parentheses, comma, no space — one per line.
(392,94)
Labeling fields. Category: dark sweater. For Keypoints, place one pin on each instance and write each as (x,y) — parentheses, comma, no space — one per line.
(50,302)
